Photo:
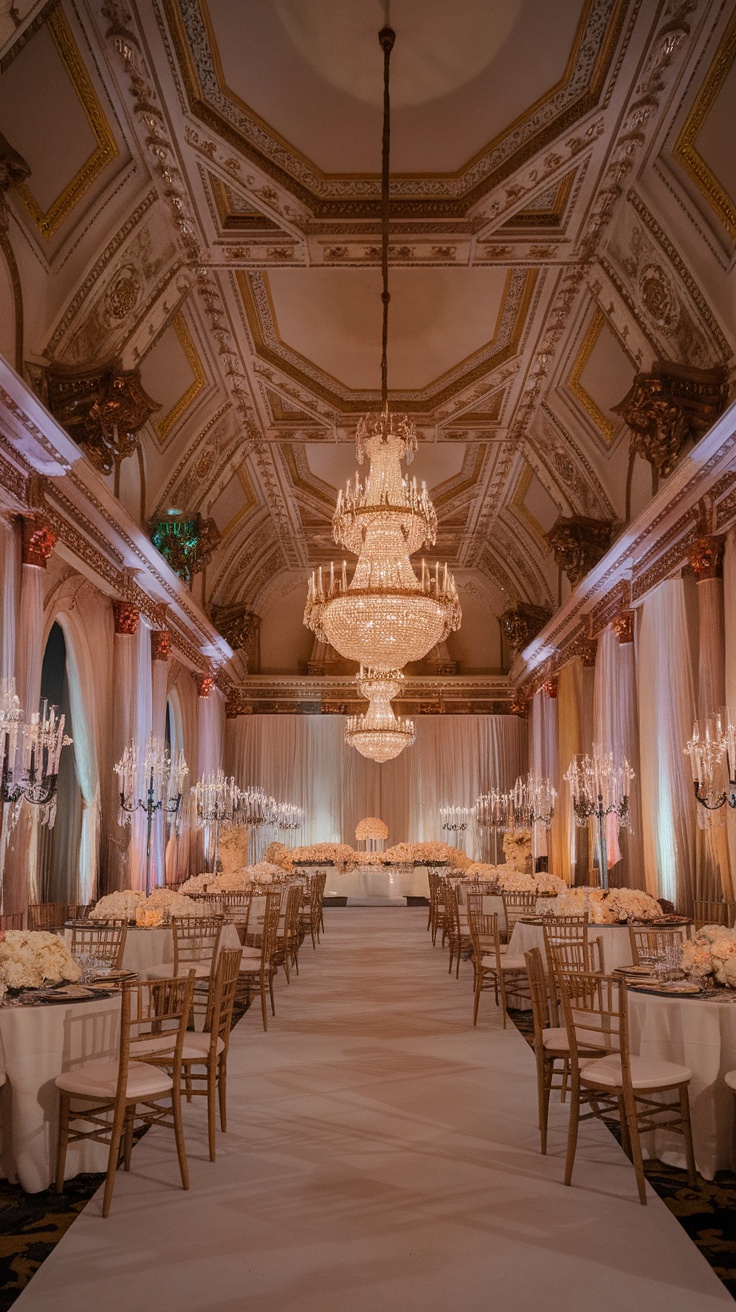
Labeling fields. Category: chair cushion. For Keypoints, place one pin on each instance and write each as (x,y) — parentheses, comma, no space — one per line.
(646,1073)
(202,970)
(507,963)
(197,1046)
(555,1039)
(99,1079)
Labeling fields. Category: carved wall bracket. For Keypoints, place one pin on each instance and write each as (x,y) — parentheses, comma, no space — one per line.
(578,543)
(13,169)
(522,622)
(237,624)
(103,409)
(205,683)
(550,687)
(669,408)
(37,540)
(185,542)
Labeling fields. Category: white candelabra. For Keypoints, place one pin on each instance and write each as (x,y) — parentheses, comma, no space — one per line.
(600,788)
(529,803)
(256,809)
(30,755)
(713,762)
(163,780)
(289,816)
(216,799)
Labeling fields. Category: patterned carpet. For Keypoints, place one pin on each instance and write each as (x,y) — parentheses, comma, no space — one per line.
(707,1214)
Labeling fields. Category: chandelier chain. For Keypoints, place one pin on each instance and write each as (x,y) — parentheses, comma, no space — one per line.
(386,36)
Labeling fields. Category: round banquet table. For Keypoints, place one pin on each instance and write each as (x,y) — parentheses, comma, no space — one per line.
(616,945)
(147,949)
(699,1033)
(36,1045)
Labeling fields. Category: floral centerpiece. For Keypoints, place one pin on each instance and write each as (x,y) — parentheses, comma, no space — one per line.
(340,854)
(371,827)
(233,847)
(279,855)
(426,854)
(608,906)
(118,906)
(197,883)
(510,880)
(31,958)
(712,952)
(517,848)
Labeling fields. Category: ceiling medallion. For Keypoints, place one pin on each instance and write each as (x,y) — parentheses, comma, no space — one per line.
(384,617)
(379,735)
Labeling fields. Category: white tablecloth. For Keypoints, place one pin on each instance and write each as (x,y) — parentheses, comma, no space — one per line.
(493,904)
(36,1045)
(146,949)
(700,1034)
(616,945)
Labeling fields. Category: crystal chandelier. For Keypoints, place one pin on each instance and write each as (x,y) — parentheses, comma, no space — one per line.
(379,735)
(384,617)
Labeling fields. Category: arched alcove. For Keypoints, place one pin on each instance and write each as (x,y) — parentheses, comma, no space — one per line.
(59,847)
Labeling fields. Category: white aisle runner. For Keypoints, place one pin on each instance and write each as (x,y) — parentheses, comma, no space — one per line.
(382,1156)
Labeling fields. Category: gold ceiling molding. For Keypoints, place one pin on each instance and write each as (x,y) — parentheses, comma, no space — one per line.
(428,195)
(106,149)
(512,318)
(163,426)
(547,217)
(518,501)
(685,150)
(605,426)
(232,220)
(251,500)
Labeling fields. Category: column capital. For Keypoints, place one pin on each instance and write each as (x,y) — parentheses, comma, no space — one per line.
(550,687)
(160,644)
(127,617)
(623,626)
(205,683)
(705,557)
(37,540)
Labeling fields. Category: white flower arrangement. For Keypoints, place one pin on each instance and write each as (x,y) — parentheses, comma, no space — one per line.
(118,906)
(426,854)
(517,848)
(712,952)
(371,827)
(608,907)
(172,902)
(233,847)
(31,958)
(197,883)
(279,854)
(340,854)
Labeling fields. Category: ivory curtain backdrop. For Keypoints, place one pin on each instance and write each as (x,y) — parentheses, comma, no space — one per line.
(616,730)
(303,759)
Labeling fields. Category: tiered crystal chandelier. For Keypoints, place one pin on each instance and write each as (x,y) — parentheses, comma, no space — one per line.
(379,734)
(384,617)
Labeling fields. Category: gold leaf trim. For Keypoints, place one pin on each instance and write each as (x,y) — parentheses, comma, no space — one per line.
(49,221)
(163,426)
(605,426)
(685,151)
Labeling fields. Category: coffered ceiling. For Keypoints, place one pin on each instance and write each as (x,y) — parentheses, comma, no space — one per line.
(202,204)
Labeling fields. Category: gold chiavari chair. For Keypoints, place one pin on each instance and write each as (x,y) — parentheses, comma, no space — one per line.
(104,942)
(237,909)
(209,1048)
(561,930)
(256,964)
(710,913)
(617,1086)
(286,951)
(153,1021)
(48,916)
(433,880)
(515,906)
(652,942)
(311,913)
(550,1041)
(495,967)
(483,928)
(458,933)
(321,881)
(11,920)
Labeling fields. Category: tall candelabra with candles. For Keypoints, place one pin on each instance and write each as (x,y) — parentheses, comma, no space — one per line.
(256,810)
(216,799)
(713,762)
(30,756)
(539,805)
(163,782)
(599,788)
(289,817)
(455,819)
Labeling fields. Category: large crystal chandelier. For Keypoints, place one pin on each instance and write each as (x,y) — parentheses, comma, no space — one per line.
(385,616)
(379,734)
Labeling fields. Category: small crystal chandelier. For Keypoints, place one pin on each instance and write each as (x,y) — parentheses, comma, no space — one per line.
(379,735)
(384,617)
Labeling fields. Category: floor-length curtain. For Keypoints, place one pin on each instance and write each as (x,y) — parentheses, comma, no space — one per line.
(616,730)
(9,589)
(87,711)
(22,864)
(666,713)
(304,759)
(729,625)
(570,744)
(132,692)
(713,872)
(546,763)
